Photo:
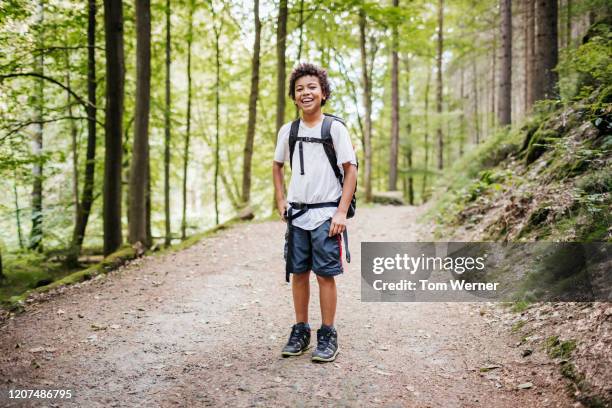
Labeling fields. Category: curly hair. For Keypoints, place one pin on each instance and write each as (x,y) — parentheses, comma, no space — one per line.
(304,69)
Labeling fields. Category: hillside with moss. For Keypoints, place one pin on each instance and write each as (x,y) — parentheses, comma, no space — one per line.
(548,179)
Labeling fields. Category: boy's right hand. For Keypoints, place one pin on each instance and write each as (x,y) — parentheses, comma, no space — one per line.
(281,206)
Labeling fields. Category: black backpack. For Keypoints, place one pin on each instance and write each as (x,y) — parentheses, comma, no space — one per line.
(328,146)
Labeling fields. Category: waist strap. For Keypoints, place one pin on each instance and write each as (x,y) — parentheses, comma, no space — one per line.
(302,208)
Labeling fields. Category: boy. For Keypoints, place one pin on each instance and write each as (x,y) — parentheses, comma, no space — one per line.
(315,209)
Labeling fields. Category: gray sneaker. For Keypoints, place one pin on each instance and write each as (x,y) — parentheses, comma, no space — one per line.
(299,340)
(327,345)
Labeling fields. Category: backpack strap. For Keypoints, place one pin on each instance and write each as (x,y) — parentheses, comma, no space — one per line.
(293,135)
(328,144)
(338,118)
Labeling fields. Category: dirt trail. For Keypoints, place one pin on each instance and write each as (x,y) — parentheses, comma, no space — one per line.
(205,327)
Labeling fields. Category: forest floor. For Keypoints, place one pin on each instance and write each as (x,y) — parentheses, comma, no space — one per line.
(205,326)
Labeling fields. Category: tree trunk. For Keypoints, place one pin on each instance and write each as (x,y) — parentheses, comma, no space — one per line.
(115,73)
(568,23)
(74,134)
(475,100)
(505,72)
(188,130)
(90,156)
(149,242)
(140,151)
(299,53)
(547,50)
(424,193)
(36,232)
(17,210)
(281,37)
(393,151)
(281,48)
(367,104)
(462,114)
(250,135)
(439,83)
(492,111)
(217,118)
(167,111)
(529,33)
(301,31)
(125,168)
(408,157)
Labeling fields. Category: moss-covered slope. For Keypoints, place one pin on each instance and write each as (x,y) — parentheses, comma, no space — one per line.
(548,179)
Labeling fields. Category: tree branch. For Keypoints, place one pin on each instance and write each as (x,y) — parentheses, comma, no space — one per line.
(49,79)
(33,122)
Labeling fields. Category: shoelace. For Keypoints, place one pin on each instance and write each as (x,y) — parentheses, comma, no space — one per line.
(295,335)
(324,341)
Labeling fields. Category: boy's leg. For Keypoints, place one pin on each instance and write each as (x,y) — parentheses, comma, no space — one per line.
(299,262)
(326,263)
(301,295)
(328,298)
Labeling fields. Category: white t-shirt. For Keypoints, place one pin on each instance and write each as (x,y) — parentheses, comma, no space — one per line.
(318,184)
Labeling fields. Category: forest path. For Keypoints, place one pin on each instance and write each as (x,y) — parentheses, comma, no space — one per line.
(205,326)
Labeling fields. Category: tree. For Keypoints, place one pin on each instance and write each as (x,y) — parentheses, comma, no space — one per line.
(547,50)
(393,151)
(494,84)
(440,44)
(250,135)
(529,36)
(140,151)
(475,100)
(505,72)
(462,114)
(217,28)
(115,73)
(188,130)
(568,23)
(367,104)
(408,180)
(74,133)
(36,233)
(424,192)
(167,111)
(281,37)
(84,208)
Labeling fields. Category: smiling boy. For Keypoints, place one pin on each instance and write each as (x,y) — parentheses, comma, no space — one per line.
(316,206)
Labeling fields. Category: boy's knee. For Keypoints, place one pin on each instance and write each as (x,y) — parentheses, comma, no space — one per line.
(326,280)
(301,278)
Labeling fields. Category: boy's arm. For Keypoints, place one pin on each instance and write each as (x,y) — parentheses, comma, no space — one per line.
(338,224)
(278,177)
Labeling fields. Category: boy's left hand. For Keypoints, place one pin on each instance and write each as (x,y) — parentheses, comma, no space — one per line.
(338,223)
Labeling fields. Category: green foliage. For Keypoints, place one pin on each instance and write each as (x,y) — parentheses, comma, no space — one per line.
(539,143)
(520,306)
(26,270)
(559,349)
(599,182)
(588,66)
(487,179)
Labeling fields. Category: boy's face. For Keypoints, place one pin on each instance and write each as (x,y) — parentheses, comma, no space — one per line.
(308,94)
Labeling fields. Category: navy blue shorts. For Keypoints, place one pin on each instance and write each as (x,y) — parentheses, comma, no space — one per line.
(315,250)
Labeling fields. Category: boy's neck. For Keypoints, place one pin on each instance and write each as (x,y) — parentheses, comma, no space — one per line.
(312,118)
